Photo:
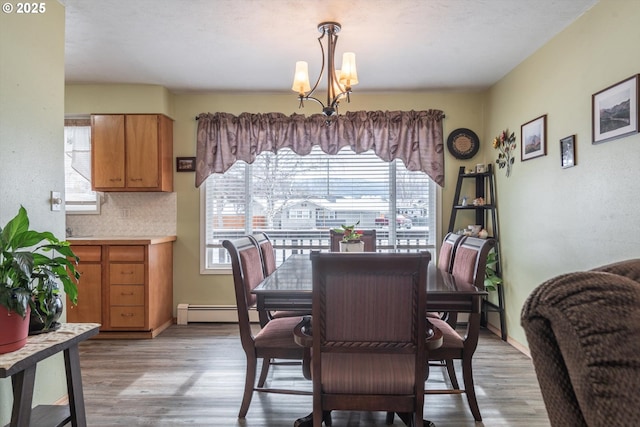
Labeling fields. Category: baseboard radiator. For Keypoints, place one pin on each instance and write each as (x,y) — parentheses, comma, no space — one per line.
(192,313)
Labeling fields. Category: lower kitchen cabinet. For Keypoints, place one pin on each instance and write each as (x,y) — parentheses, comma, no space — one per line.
(126,285)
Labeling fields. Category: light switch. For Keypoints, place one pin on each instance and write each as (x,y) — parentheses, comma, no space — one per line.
(56,201)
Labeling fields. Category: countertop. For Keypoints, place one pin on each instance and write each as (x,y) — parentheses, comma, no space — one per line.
(120,240)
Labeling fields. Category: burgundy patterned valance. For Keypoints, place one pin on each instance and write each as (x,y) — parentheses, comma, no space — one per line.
(415,137)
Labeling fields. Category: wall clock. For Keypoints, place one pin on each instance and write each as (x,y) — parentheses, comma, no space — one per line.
(463,143)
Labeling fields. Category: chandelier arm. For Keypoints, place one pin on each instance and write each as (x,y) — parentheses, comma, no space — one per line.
(311,98)
(308,96)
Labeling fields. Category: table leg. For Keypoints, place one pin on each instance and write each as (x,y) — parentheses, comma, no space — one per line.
(308,420)
(23,383)
(74,387)
(405,417)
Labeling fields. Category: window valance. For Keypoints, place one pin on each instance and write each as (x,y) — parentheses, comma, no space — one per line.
(415,137)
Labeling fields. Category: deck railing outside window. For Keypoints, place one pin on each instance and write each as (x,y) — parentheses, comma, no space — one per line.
(286,244)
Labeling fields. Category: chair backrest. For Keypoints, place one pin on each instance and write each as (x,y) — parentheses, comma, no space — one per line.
(470,260)
(368,237)
(448,250)
(369,307)
(583,329)
(267,254)
(246,266)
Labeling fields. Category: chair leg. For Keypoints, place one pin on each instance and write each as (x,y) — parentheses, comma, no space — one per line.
(470,391)
(326,417)
(249,382)
(390,417)
(451,370)
(264,371)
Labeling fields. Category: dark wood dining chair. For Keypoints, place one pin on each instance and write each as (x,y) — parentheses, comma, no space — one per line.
(448,250)
(267,253)
(274,340)
(470,260)
(445,262)
(268,257)
(368,237)
(583,329)
(468,267)
(368,333)
(459,346)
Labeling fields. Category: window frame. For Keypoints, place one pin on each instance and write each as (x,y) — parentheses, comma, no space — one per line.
(71,207)
(435,196)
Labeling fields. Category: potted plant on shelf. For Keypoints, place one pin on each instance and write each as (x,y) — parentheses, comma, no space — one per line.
(31,264)
(350,238)
(491,278)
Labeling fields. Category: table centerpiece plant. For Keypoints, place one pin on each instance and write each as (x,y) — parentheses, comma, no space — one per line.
(31,264)
(350,238)
(349,233)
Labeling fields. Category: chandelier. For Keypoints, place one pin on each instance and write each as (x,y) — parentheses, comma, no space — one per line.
(339,82)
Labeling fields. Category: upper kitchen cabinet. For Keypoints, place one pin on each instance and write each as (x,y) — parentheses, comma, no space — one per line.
(131,152)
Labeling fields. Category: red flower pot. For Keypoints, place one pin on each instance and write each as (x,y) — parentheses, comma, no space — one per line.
(13,330)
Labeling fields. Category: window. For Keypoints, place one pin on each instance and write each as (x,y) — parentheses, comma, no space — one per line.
(77,167)
(297,199)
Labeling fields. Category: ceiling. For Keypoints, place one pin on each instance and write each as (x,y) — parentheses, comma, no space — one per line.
(252,45)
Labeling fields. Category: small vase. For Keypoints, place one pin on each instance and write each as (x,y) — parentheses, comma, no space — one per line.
(42,323)
(352,246)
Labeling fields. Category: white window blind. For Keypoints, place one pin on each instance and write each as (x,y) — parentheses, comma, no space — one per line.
(297,199)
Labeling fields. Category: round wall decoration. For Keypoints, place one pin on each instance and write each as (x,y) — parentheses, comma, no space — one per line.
(463,143)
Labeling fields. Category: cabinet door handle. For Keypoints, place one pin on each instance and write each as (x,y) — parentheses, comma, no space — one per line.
(127,272)
(126,293)
(115,179)
(135,179)
(127,315)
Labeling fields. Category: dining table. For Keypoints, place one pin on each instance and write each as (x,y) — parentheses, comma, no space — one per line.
(290,288)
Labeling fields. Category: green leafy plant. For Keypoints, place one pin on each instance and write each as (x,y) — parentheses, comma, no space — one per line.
(349,232)
(491,278)
(31,263)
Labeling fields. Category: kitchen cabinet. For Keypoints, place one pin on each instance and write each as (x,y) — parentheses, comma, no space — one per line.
(126,285)
(131,152)
(89,307)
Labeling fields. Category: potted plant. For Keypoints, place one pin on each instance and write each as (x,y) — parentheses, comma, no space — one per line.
(491,278)
(350,238)
(31,264)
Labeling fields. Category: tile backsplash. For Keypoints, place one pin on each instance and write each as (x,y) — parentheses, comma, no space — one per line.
(128,214)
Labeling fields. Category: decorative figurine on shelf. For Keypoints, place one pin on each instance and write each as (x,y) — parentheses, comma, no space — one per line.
(463,202)
(478,202)
(483,234)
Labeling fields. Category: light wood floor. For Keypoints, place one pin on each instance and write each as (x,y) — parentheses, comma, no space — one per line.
(194,375)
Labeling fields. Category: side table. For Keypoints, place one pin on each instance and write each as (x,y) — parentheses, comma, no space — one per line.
(20,365)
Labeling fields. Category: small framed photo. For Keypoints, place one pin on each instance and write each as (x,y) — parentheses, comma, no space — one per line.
(615,111)
(185,164)
(534,138)
(568,151)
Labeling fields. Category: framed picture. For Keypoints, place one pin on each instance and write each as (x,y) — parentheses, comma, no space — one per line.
(534,138)
(185,164)
(615,111)
(568,151)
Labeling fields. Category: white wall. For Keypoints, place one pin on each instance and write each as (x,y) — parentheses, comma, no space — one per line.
(31,145)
